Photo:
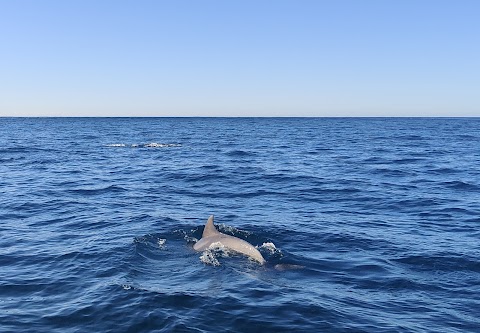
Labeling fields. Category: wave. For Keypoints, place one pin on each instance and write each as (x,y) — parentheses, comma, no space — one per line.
(462,186)
(98,191)
(240,153)
(446,262)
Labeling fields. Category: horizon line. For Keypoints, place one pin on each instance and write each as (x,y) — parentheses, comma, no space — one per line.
(333,117)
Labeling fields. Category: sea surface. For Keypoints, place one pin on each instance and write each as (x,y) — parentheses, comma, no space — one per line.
(367,224)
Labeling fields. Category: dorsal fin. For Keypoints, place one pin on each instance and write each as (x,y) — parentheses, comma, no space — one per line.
(209,228)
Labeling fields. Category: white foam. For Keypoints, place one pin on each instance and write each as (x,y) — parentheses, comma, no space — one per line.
(146,145)
(188,238)
(116,145)
(160,145)
(215,250)
(232,230)
(161,243)
(270,247)
(208,258)
(218,247)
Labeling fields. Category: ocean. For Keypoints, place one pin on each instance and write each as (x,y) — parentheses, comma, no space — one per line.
(366,224)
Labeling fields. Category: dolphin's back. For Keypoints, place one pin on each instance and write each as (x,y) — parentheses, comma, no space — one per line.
(241,246)
(233,243)
(212,235)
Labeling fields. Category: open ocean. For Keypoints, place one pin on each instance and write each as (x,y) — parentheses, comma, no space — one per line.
(367,224)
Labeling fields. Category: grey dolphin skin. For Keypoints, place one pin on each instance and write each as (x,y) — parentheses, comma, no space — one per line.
(212,235)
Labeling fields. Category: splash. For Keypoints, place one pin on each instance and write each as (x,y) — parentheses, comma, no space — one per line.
(116,145)
(161,145)
(232,230)
(215,250)
(161,243)
(208,258)
(187,237)
(144,145)
(269,247)
(219,248)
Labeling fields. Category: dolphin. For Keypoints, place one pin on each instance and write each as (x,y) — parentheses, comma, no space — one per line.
(212,235)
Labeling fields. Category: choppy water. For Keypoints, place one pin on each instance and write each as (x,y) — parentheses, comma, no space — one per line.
(98,218)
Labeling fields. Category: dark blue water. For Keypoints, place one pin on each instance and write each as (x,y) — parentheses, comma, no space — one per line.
(367,225)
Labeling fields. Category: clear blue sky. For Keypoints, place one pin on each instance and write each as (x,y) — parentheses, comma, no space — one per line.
(240,57)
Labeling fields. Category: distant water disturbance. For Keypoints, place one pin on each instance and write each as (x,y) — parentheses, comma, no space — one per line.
(366,225)
(146,145)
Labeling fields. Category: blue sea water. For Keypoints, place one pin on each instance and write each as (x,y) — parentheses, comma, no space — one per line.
(367,224)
